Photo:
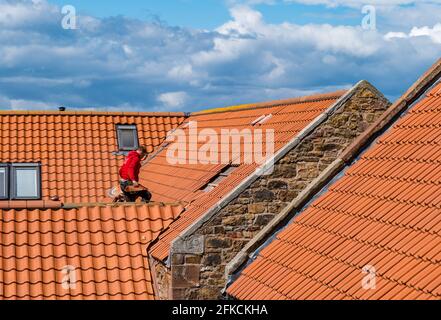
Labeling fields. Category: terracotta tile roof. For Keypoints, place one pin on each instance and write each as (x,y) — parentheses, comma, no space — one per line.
(184,182)
(75,148)
(106,245)
(384,213)
(30,204)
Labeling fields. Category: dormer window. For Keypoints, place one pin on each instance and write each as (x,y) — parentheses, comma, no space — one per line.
(20,181)
(127,137)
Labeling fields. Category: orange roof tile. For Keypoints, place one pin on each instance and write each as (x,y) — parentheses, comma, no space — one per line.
(384,213)
(105,247)
(30,204)
(75,148)
(183,182)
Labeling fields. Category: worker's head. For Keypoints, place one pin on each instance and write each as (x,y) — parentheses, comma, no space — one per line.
(142,151)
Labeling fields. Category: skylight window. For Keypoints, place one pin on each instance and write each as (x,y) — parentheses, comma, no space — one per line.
(216,180)
(20,181)
(3,182)
(127,137)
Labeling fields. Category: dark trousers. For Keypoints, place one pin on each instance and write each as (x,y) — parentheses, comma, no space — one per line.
(133,196)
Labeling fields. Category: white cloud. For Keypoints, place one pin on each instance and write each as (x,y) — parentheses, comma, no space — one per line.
(26,104)
(432,33)
(244,21)
(120,63)
(357,3)
(395,35)
(173,99)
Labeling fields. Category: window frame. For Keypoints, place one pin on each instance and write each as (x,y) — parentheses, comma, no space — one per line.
(6,167)
(12,188)
(133,127)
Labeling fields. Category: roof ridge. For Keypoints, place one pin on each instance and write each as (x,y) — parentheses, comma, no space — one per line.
(90,113)
(274,103)
(436,90)
(419,88)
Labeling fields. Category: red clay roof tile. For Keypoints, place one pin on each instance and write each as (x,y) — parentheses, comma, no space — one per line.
(75,148)
(384,213)
(107,246)
(183,182)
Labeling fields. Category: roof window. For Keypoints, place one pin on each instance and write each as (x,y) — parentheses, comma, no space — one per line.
(127,137)
(20,181)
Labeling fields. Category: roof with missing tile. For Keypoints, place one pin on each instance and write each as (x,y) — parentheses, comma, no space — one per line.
(185,182)
(75,148)
(101,249)
(382,217)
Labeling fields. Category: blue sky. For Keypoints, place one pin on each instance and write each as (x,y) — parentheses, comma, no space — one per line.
(209,14)
(186,55)
(196,14)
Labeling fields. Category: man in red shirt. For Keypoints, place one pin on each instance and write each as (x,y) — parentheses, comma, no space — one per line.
(129,175)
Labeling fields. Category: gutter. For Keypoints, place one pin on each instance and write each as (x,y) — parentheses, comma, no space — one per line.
(178,244)
(423,84)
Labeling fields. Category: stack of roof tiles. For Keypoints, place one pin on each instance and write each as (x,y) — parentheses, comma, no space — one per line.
(85,253)
(184,182)
(383,215)
(75,148)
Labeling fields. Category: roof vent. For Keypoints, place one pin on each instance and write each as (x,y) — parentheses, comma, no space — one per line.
(262,120)
(62,109)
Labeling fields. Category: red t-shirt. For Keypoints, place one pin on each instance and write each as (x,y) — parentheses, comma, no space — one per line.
(130,168)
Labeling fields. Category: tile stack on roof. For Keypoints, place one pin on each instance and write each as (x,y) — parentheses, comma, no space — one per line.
(75,148)
(106,245)
(384,213)
(184,182)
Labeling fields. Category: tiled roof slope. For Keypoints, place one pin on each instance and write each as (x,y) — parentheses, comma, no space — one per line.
(384,213)
(75,148)
(184,182)
(107,246)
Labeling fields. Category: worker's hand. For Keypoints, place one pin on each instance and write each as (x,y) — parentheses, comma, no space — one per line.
(135,183)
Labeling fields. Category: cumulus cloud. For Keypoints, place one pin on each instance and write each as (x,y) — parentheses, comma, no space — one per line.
(433,33)
(117,62)
(357,3)
(173,100)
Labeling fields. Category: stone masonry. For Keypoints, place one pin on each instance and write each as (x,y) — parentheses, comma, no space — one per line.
(202,276)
